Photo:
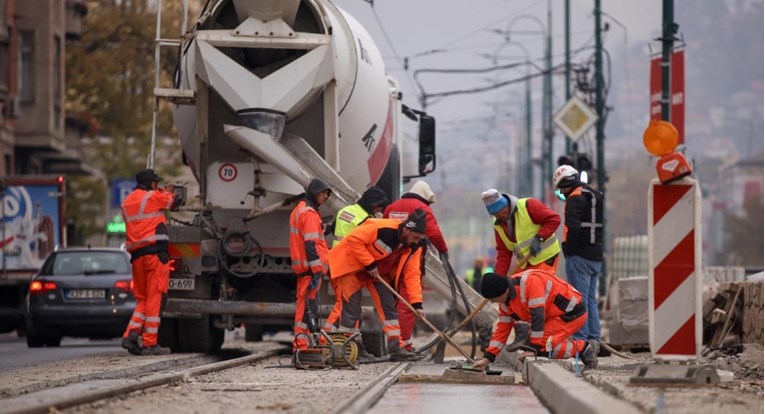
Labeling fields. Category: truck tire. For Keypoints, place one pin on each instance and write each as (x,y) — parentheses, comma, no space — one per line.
(168,334)
(198,335)
(253,332)
(374,342)
(52,340)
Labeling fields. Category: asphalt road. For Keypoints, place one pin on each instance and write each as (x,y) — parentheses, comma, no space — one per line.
(14,352)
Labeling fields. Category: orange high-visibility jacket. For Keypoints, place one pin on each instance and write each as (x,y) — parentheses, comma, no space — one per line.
(372,241)
(539,296)
(308,249)
(142,213)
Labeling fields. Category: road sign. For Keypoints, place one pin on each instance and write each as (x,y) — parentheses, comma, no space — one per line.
(121,187)
(575,118)
(228,172)
(674,260)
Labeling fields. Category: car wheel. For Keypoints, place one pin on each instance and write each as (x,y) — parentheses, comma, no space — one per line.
(34,338)
(53,340)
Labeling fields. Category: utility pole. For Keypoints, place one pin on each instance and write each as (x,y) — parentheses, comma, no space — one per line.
(600,126)
(567,29)
(528,165)
(547,113)
(668,30)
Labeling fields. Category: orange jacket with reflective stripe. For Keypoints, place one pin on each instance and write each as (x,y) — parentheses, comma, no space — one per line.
(308,248)
(372,241)
(142,212)
(539,296)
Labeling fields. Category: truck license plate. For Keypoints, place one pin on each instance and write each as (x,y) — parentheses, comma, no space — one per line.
(86,294)
(180,284)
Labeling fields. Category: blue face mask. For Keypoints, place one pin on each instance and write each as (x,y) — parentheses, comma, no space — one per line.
(560,195)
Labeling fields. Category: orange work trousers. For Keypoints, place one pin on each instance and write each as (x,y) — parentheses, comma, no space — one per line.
(150,277)
(349,288)
(543,266)
(304,299)
(563,346)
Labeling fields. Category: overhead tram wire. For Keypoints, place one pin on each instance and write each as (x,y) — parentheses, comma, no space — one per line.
(390,44)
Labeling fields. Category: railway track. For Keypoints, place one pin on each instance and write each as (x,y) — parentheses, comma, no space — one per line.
(47,396)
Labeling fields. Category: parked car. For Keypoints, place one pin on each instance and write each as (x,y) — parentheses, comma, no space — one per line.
(81,292)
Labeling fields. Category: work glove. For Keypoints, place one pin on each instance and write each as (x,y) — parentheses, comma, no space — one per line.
(164,258)
(536,245)
(374,273)
(315,280)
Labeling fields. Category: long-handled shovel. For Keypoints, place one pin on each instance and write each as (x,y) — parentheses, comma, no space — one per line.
(427,322)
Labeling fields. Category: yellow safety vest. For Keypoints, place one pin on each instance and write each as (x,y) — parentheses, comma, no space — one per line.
(348,218)
(525,230)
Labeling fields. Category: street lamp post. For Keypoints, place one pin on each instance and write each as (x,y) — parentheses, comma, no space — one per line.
(528,174)
(547,130)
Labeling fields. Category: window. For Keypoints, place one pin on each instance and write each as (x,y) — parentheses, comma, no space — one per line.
(86,263)
(5,64)
(27,67)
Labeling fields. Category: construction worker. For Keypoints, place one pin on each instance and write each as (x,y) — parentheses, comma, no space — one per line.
(524,227)
(552,307)
(582,242)
(384,248)
(308,251)
(371,204)
(419,196)
(147,240)
(474,275)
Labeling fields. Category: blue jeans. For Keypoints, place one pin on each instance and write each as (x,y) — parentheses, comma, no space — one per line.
(583,274)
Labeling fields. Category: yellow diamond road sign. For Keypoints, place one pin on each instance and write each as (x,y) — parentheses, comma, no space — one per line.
(575,118)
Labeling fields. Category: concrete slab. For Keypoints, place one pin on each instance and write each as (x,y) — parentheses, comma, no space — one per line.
(440,373)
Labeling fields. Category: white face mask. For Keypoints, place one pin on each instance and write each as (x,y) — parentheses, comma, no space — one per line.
(378,215)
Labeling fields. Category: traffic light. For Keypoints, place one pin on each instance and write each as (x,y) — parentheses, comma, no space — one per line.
(583,162)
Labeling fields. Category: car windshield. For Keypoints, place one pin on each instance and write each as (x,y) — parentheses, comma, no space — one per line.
(85,263)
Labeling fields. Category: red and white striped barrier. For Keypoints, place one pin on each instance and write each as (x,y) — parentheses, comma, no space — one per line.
(675,276)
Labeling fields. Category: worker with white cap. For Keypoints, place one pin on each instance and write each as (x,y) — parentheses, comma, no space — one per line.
(582,242)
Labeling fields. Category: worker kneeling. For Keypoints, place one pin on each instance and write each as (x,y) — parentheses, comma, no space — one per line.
(380,248)
(552,307)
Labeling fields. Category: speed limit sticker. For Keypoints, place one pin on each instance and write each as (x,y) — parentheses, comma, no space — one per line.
(227,172)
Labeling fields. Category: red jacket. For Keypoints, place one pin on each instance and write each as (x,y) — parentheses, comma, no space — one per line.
(402,208)
(540,214)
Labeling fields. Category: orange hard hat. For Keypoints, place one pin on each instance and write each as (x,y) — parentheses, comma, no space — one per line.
(660,138)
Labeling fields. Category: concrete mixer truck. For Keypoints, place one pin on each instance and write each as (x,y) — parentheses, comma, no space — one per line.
(266,96)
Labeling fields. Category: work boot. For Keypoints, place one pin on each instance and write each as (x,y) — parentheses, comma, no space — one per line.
(131,343)
(155,350)
(521,336)
(402,354)
(590,354)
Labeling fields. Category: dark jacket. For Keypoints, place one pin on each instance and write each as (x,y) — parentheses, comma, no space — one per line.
(583,231)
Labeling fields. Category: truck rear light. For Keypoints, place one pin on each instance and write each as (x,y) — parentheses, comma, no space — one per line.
(126,285)
(40,286)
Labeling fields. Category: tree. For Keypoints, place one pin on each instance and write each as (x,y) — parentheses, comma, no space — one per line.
(110,83)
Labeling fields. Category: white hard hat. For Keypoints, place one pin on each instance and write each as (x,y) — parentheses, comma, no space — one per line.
(565,176)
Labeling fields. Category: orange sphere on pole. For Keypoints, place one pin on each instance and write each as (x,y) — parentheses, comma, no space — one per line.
(660,138)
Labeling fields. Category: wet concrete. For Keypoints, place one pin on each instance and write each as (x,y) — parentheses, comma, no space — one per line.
(451,398)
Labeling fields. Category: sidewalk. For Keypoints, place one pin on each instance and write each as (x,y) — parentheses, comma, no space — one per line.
(607,390)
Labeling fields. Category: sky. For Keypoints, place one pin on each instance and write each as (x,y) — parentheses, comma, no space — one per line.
(462,35)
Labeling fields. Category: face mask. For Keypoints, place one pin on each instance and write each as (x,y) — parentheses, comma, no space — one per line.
(560,195)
